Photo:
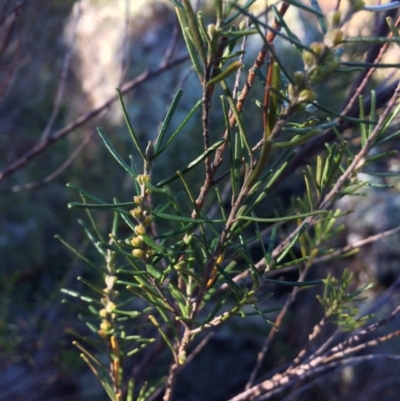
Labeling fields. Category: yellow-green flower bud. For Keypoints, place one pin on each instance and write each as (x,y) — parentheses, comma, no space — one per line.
(182,358)
(138,253)
(320,73)
(149,253)
(334,19)
(334,37)
(110,281)
(211,30)
(291,92)
(103,313)
(298,78)
(110,307)
(147,220)
(140,230)
(356,5)
(142,179)
(102,334)
(306,95)
(136,213)
(308,58)
(150,151)
(136,242)
(105,326)
(319,49)
(138,199)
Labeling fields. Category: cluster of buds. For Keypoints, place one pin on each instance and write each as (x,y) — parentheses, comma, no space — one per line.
(142,214)
(107,313)
(300,92)
(335,35)
(320,62)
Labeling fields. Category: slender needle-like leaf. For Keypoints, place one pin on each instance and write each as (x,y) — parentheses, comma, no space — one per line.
(111,149)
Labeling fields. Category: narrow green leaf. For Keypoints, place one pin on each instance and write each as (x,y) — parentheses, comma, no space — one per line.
(84,193)
(363,128)
(219,12)
(169,234)
(342,117)
(380,156)
(229,70)
(189,273)
(92,286)
(203,32)
(192,164)
(103,378)
(131,382)
(158,248)
(154,272)
(370,40)
(167,120)
(194,30)
(328,165)
(285,27)
(393,28)
(79,254)
(297,4)
(219,303)
(283,218)
(297,139)
(239,13)
(103,205)
(318,173)
(261,77)
(292,263)
(372,113)
(303,228)
(189,42)
(114,152)
(321,19)
(295,283)
(129,125)
(163,334)
(337,159)
(177,4)
(91,238)
(76,294)
(238,118)
(173,217)
(309,191)
(371,65)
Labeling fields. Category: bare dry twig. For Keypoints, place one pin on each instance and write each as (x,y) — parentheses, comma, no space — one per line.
(44,144)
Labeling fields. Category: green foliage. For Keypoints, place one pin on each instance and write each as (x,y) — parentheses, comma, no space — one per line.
(340,305)
(169,283)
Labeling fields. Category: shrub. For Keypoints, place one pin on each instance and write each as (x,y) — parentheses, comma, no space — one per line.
(189,264)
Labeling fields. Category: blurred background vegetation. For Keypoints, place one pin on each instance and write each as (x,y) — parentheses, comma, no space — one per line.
(58,61)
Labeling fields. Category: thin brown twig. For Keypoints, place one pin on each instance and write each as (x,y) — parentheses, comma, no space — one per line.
(270,36)
(43,145)
(181,346)
(314,365)
(269,388)
(274,329)
(63,79)
(219,250)
(189,359)
(363,79)
(355,245)
(338,335)
(331,196)
(58,171)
